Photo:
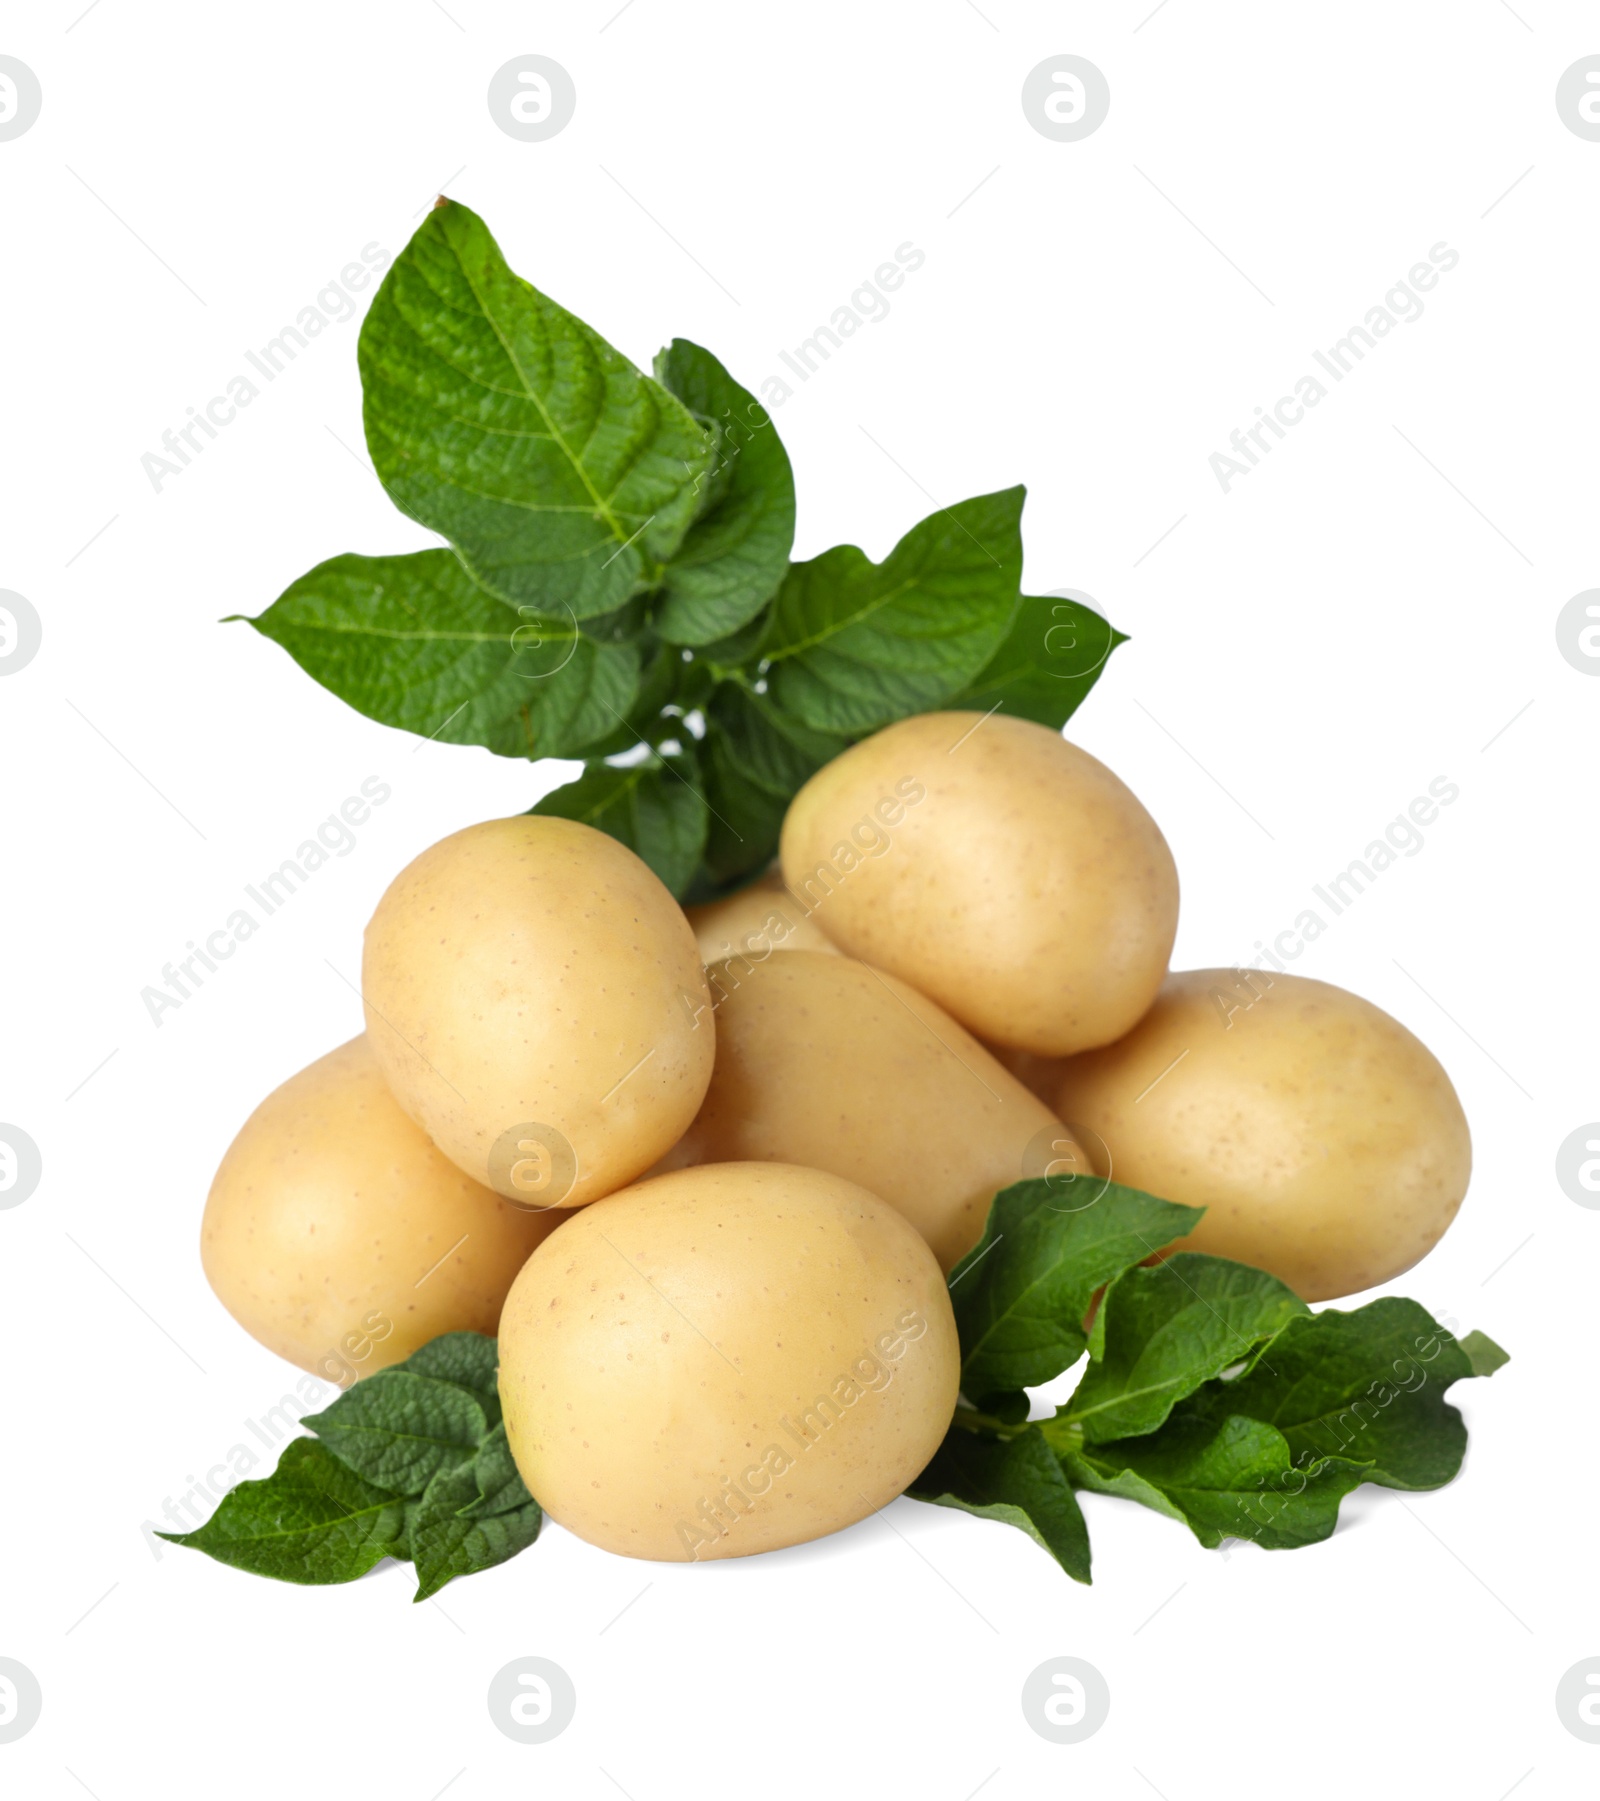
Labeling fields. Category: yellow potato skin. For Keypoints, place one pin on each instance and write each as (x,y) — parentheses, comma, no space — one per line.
(669,1340)
(535,971)
(1325,1141)
(1039,1075)
(1022,886)
(763,916)
(343,1240)
(826,1062)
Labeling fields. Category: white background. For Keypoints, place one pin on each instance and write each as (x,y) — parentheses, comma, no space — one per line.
(1364,613)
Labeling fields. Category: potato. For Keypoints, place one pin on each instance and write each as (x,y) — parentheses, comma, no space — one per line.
(997,868)
(1325,1141)
(1039,1075)
(824,1061)
(338,1236)
(726,1360)
(535,999)
(758,918)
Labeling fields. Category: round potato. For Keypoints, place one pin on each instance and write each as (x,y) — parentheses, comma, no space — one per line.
(726,1360)
(535,999)
(824,1061)
(1324,1140)
(757,919)
(342,1239)
(995,867)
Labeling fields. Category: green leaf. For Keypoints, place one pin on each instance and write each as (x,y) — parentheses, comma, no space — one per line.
(1018,1480)
(737,550)
(622,625)
(447,1536)
(471,1360)
(1483,1353)
(500,1488)
(311,1521)
(1161,1332)
(739,649)
(561,473)
(398,1429)
(1367,1385)
(654,807)
(1011,1407)
(665,681)
(1022,1292)
(853,644)
(1334,1400)
(1224,1478)
(754,759)
(1050,659)
(413,641)
(428,1428)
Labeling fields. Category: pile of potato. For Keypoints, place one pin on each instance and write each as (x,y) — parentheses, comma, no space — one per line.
(705,1173)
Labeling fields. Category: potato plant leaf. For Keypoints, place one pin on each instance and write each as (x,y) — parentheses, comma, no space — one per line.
(1010,1407)
(448,1535)
(1367,1385)
(413,641)
(854,644)
(560,472)
(1050,659)
(738,650)
(1022,1293)
(500,1489)
(399,1430)
(1162,1331)
(471,1360)
(313,1520)
(1018,1480)
(1483,1353)
(736,551)
(668,687)
(1224,1478)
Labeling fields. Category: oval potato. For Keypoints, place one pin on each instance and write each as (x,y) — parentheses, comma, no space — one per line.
(757,919)
(1324,1140)
(1039,1075)
(534,997)
(726,1360)
(1002,871)
(826,1062)
(338,1236)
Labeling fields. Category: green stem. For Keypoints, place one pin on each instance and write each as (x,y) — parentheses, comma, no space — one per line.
(974,1421)
(1062,1435)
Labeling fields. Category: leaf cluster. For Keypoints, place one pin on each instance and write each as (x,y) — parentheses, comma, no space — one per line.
(616,583)
(412,1463)
(1211,1393)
